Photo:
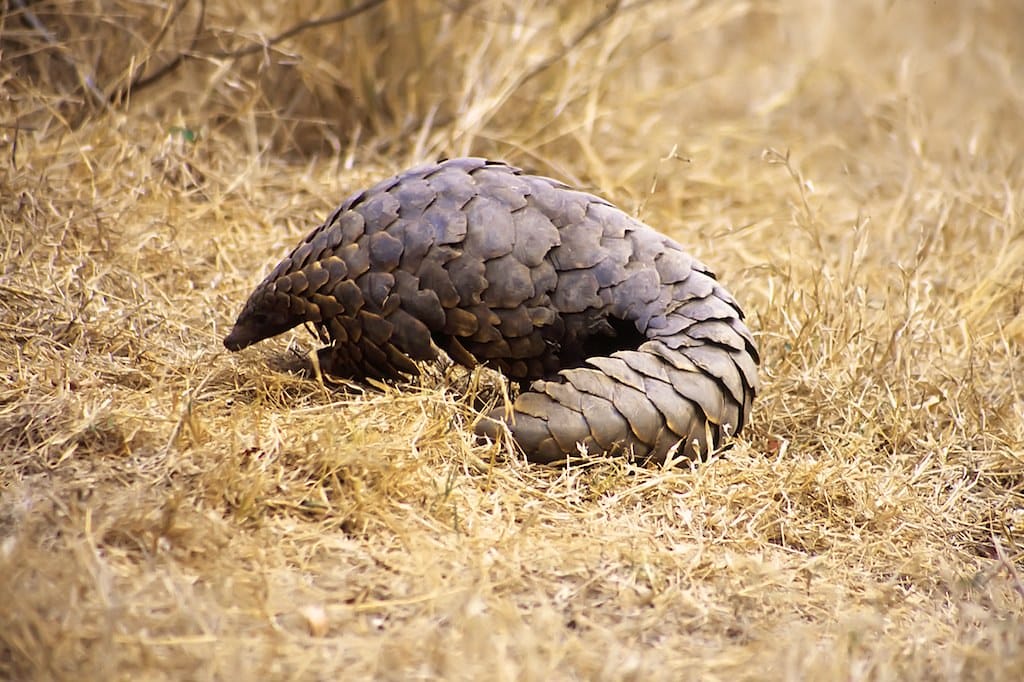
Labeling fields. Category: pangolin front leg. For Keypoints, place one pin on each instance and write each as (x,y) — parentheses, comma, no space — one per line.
(631,344)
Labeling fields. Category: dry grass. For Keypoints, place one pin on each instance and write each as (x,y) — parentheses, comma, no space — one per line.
(168,510)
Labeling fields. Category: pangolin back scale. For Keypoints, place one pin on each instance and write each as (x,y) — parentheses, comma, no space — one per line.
(630,343)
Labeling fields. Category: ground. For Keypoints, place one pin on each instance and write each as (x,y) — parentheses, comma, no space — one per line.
(168,510)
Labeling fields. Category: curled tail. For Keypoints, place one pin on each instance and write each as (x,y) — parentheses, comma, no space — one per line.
(692,387)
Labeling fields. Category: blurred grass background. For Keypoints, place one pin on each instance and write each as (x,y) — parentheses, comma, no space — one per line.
(853,173)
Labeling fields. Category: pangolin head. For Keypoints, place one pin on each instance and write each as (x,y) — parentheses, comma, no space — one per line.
(267,313)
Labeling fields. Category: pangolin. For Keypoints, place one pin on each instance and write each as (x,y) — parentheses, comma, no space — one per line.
(630,343)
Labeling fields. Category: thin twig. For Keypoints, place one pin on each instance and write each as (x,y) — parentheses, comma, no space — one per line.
(610,11)
(297,29)
(143,82)
(135,80)
(602,18)
(1010,567)
(14,145)
(87,80)
(139,81)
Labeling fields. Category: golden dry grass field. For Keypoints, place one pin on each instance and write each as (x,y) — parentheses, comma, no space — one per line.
(853,171)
